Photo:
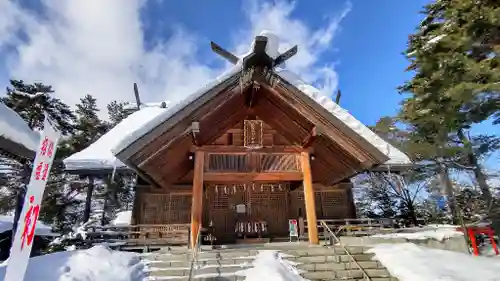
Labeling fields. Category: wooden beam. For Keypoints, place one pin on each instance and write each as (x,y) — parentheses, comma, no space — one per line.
(335,129)
(243,177)
(195,131)
(242,149)
(307,142)
(197,198)
(312,223)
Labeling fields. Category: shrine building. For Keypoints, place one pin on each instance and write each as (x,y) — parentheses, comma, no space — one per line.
(256,146)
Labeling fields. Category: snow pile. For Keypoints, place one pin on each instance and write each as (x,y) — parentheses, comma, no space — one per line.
(98,155)
(122,218)
(95,264)
(270,265)
(6,223)
(14,128)
(437,233)
(409,262)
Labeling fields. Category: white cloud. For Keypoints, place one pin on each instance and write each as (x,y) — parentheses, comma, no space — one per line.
(97,47)
(312,44)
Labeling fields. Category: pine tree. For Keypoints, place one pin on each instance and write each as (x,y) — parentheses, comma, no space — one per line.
(31,101)
(454,55)
(89,128)
(117,111)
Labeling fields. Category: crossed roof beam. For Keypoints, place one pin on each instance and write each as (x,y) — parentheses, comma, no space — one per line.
(258,58)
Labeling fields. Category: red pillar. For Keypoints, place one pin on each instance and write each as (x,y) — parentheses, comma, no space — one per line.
(492,240)
(473,242)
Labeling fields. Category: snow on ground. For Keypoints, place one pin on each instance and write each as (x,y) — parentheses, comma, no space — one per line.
(42,229)
(95,264)
(98,155)
(437,232)
(122,218)
(270,265)
(409,262)
(14,128)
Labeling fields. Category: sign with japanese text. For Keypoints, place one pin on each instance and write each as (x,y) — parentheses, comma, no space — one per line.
(292,228)
(25,233)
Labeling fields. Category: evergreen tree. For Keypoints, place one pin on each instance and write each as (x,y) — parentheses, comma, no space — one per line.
(31,101)
(454,55)
(89,128)
(117,111)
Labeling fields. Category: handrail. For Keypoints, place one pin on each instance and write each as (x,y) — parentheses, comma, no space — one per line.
(328,230)
(194,254)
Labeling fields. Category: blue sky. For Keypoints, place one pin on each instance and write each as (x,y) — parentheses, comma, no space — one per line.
(102,47)
(365,51)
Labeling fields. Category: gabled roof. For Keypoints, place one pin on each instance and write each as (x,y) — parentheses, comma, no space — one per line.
(394,155)
(129,132)
(16,137)
(98,155)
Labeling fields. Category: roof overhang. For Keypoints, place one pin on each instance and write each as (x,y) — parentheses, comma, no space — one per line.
(154,147)
(13,149)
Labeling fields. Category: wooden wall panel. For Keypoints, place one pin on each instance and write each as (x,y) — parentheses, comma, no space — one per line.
(165,208)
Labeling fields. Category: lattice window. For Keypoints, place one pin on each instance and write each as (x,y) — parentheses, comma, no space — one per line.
(279,162)
(228,162)
(253,133)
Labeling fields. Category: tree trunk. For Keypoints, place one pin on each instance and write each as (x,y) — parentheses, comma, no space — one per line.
(446,184)
(478,172)
(411,207)
(88,200)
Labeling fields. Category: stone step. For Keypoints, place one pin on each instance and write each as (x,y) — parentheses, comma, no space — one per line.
(205,278)
(346,274)
(200,262)
(333,266)
(212,271)
(202,256)
(330,258)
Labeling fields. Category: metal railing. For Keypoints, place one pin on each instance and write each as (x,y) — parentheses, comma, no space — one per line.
(334,240)
(194,254)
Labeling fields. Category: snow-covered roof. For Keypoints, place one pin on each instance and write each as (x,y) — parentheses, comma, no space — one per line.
(394,154)
(98,156)
(6,223)
(15,129)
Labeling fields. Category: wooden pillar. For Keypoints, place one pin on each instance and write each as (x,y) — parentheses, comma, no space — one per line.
(197,199)
(312,222)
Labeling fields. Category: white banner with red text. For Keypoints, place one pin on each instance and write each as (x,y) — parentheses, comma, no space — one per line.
(25,234)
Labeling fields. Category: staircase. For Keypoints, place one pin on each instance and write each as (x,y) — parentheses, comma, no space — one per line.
(314,262)
(321,263)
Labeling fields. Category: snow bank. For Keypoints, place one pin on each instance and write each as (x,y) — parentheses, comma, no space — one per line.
(122,218)
(437,233)
(95,264)
(6,223)
(409,262)
(98,155)
(14,128)
(269,265)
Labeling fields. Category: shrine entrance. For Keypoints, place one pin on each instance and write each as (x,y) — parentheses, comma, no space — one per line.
(249,210)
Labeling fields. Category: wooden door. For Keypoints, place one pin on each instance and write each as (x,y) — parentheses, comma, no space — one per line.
(269,203)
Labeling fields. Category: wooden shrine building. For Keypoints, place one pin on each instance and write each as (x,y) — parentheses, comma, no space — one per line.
(249,152)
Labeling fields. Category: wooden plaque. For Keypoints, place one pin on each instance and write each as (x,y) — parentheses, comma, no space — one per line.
(253,133)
